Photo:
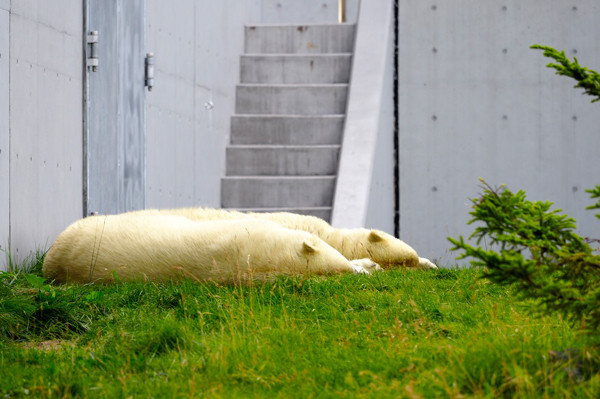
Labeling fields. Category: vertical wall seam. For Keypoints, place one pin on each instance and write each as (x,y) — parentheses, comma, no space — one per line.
(9,155)
(84,115)
(195,111)
(121,195)
(396,125)
(144,109)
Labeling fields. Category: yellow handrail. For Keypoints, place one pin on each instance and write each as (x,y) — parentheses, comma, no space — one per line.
(341,11)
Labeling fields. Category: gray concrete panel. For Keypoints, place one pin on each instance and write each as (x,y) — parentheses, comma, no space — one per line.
(4,131)
(292,11)
(381,209)
(303,39)
(57,14)
(221,51)
(306,11)
(475,101)
(171,167)
(45,123)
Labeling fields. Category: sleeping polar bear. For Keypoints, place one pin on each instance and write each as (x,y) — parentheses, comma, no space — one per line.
(166,247)
(383,248)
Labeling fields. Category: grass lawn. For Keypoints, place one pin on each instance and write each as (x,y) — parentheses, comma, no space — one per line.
(402,333)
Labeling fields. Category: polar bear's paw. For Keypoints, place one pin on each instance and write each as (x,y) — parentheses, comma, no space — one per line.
(425,263)
(365,266)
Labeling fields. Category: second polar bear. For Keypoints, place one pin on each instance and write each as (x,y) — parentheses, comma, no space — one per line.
(165,247)
(383,248)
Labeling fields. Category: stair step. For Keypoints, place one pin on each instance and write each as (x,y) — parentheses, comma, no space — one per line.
(295,68)
(282,39)
(287,129)
(277,160)
(291,99)
(323,212)
(277,191)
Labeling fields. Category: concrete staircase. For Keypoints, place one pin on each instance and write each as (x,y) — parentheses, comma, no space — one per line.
(287,131)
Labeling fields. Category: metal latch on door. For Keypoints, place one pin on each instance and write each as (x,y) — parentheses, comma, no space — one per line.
(149,78)
(92,42)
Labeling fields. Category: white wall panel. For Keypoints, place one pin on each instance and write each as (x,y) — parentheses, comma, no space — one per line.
(475,101)
(45,122)
(4,131)
(381,194)
(170,110)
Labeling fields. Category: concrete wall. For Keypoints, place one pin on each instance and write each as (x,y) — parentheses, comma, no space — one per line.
(45,131)
(4,125)
(475,101)
(380,212)
(197,46)
(306,11)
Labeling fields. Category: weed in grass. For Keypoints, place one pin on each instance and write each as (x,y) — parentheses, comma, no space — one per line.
(32,264)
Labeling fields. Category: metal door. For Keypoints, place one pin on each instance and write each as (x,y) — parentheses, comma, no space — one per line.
(115,107)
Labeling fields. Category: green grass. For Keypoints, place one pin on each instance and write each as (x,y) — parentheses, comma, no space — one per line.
(411,334)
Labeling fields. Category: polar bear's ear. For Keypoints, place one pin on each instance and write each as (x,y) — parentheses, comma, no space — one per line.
(307,248)
(375,236)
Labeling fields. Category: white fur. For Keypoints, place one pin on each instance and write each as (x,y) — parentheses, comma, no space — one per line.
(163,247)
(383,248)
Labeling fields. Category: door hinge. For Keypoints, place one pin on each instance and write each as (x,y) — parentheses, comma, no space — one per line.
(92,41)
(149,78)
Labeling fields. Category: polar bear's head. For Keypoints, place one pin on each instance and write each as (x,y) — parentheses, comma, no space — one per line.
(388,251)
(315,256)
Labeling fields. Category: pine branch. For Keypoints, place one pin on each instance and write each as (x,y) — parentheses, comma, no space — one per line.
(587,79)
(536,250)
